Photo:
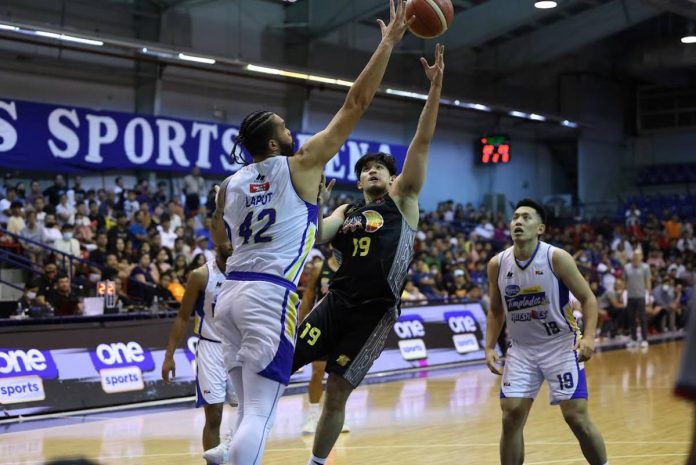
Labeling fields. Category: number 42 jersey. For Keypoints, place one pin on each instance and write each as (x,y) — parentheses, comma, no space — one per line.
(271,228)
(536,302)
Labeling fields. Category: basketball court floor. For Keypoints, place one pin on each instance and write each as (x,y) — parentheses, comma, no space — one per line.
(445,417)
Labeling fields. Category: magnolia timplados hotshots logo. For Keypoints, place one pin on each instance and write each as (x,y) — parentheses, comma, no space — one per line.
(22,373)
(121,366)
(410,330)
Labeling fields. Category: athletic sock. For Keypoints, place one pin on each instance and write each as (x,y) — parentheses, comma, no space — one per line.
(316,461)
(315,408)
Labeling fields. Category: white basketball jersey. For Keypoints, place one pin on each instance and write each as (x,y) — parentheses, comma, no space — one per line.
(204,325)
(271,228)
(537,304)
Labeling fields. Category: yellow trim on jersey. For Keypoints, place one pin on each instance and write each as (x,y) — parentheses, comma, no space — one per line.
(571,319)
(196,324)
(291,316)
(290,275)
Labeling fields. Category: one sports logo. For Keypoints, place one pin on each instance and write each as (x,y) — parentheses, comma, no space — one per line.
(15,362)
(121,366)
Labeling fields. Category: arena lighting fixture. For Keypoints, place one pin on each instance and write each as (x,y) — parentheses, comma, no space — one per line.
(296,75)
(536,117)
(405,93)
(569,124)
(185,57)
(67,38)
(6,27)
(518,114)
(475,106)
(688,39)
(545,5)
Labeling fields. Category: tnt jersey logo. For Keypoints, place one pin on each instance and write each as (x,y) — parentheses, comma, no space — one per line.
(22,373)
(121,366)
(410,330)
(373,220)
(466,332)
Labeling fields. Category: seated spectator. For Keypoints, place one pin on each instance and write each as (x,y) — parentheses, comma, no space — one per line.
(163,286)
(143,271)
(179,269)
(99,254)
(412,293)
(5,205)
(138,230)
(120,249)
(83,231)
(15,223)
(614,302)
(120,231)
(67,243)
(666,305)
(95,217)
(65,212)
(202,248)
(35,233)
(51,231)
(62,298)
(131,204)
(458,288)
(162,261)
(167,231)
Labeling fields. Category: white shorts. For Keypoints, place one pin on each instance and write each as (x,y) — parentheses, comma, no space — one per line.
(526,368)
(257,323)
(212,384)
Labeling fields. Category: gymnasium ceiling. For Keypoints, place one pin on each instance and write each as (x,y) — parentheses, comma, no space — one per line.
(490,42)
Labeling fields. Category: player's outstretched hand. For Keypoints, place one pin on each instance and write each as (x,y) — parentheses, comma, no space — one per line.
(167,367)
(493,362)
(434,73)
(325,191)
(398,23)
(585,349)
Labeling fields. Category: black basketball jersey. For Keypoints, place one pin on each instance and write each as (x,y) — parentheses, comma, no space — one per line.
(374,247)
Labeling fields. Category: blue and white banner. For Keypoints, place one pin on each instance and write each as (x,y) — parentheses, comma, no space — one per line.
(42,137)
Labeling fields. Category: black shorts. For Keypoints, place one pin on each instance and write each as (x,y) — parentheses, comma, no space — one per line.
(348,337)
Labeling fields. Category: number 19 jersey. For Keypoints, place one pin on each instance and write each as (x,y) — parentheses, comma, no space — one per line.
(271,228)
(536,302)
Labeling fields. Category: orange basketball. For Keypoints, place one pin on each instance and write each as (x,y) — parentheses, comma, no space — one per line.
(433,17)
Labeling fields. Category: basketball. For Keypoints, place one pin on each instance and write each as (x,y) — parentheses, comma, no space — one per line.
(433,17)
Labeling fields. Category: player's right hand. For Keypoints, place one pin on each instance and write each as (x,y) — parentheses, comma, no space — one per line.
(168,366)
(398,23)
(493,362)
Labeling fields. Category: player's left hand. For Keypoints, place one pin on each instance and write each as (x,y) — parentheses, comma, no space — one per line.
(585,348)
(434,73)
(325,190)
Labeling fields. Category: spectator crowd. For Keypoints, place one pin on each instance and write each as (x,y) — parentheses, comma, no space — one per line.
(147,240)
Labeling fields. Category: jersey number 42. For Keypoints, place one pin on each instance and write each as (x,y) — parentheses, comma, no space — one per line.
(245,229)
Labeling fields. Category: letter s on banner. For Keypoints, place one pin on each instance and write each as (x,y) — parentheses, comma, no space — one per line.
(63,133)
(8,134)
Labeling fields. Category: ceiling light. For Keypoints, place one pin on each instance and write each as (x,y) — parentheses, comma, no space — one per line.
(518,114)
(207,61)
(545,4)
(688,39)
(80,40)
(569,124)
(404,93)
(536,117)
(6,27)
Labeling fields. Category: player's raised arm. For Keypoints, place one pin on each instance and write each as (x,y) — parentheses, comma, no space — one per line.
(410,181)
(194,286)
(217,227)
(495,318)
(567,271)
(318,150)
